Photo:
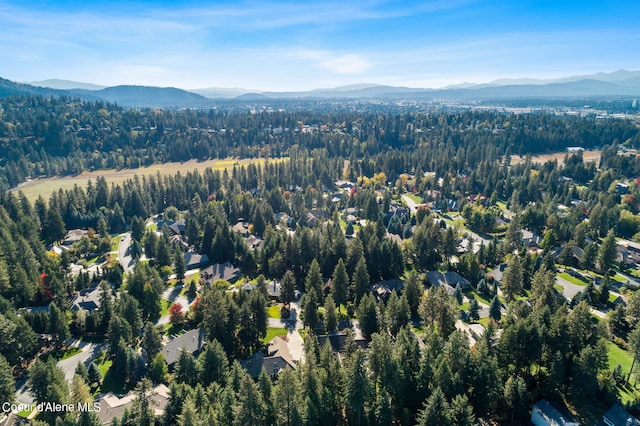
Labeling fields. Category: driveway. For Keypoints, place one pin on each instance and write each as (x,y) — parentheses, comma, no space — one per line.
(124,253)
(89,352)
(570,289)
(68,366)
(172,294)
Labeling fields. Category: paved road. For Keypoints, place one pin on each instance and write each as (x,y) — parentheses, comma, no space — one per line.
(124,253)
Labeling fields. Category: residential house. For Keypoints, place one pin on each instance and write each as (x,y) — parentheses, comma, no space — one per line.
(242,228)
(618,416)
(338,341)
(530,238)
(622,188)
(177,227)
(220,271)
(112,405)
(192,341)
(545,414)
(283,217)
(383,289)
(277,358)
(193,260)
(253,242)
(73,236)
(87,299)
(450,278)
(275,290)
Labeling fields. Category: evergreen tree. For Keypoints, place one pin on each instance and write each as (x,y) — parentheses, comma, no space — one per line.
(436,308)
(495,309)
(7,383)
(474,310)
(340,283)
(287,294)
(330,317)
(186,370)
(368,316)
(513,279)
(607,252)
(314,283)
(151,340)
(360,280)
(434,411)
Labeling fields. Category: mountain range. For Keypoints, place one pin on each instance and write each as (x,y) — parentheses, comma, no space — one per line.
(621,83)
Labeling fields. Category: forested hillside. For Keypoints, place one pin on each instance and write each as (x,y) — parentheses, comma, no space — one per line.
(365,200)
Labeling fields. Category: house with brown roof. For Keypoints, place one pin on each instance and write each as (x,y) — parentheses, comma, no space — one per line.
(277,358)
(112,405)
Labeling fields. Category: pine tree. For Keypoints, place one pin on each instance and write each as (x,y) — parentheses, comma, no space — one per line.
(7,383)
(360,280)
(330,317)
(287,295)
(340,283)
(313,283)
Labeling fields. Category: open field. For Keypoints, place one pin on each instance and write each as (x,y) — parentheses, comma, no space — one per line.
(559,156)
(45,187)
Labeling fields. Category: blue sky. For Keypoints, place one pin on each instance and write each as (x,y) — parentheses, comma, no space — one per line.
(299,45)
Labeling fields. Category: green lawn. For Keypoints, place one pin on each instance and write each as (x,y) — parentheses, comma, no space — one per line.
(59,355)
(465,306)
(24,413)
(484,321)
(619,278)
(416,199)
(274,311)
(164,307)
(115,242)
(573,280)
(274,332)
(559,288)
(104,367)
(617,356)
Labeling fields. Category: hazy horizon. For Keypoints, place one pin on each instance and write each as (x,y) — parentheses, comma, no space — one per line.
(282,46)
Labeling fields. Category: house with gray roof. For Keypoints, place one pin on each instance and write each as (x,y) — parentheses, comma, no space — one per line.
(618,416)
(220,271)
(545,414)
(193,260)
(192,341)
(450,278)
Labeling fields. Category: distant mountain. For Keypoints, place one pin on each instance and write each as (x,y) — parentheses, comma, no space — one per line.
(617,83)
(11,88)
(66,84)
(220,92)
(252,97)
(150,97)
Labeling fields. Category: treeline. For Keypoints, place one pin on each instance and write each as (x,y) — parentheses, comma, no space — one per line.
(59,136)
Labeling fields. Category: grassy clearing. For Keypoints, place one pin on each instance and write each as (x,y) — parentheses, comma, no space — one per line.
(273,332)
(274,311)
(164,307)
(559,288)
(115,242)
(573,280)
(60,354)
(620,278)
(617,355)
(416,199)
(44,187)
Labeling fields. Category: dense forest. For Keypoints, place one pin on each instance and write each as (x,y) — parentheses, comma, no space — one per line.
(418,367)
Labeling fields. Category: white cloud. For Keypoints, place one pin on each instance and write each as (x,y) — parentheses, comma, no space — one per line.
(341,63)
